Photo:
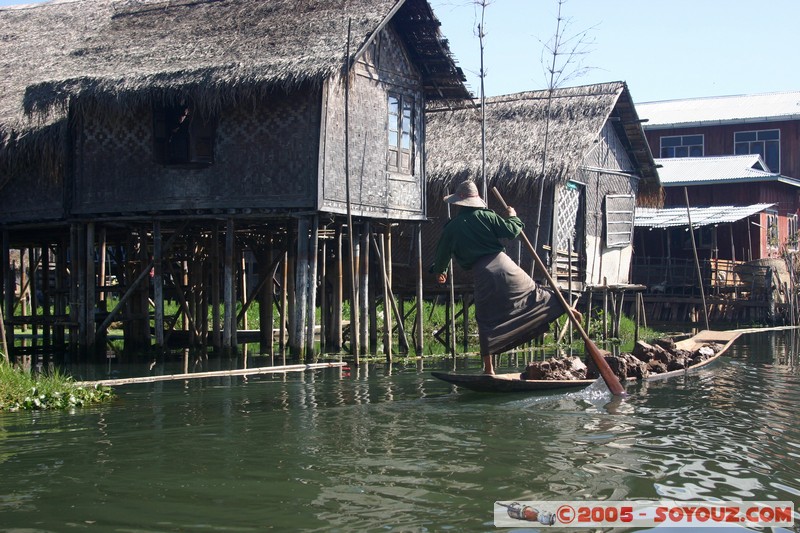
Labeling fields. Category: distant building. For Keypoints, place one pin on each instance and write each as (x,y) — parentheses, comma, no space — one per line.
(736,161)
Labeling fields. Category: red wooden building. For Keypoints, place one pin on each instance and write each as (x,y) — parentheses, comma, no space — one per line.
(731,165)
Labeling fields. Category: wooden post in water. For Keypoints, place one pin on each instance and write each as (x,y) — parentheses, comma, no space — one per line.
(33,262)
(9,281)
(311,287)
(230,311)
(243,285)
(60,300)
(387,297)
(91,287)
(420,344)
(46,299)
(216,337)
(324,304)
(74,284)
(23,289)
(102,249)
(284,303)
(338,292)
(363,287)
(266,309)
(158,285)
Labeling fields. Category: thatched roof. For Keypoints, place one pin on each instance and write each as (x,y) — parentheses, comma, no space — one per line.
(124,52)
(515,137)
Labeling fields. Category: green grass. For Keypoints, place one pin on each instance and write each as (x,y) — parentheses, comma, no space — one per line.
(20,389)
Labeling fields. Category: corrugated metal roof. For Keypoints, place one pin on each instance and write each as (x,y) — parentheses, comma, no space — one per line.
(728,168)
(701,216)
(720,110)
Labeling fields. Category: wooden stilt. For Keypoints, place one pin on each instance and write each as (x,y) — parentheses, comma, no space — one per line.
(158,286)
(102,248)
(338,292)
(291,295)
(324,303)
(302,283)
(311,289)
(243,287)
(266,313)
(60,300)
(363,286)
(355,309)
(387,298)
(23,288)
(419,345)
(284,304)
(46,291)
(91,288)
(80,262)
(216,336)
(9,280)
(33,262)
(74,284)
(228,283)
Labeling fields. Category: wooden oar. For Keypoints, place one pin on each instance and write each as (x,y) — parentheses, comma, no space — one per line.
(599,359)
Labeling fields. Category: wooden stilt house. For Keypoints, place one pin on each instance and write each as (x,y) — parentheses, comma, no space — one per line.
(147,148)
(573,162)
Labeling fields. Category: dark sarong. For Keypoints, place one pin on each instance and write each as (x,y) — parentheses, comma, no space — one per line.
(510,308)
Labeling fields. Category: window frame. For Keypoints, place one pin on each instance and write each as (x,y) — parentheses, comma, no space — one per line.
(181,122)
(401,132)
(763,141)
(682,143)
(791,232)
(772,228)
(618,220)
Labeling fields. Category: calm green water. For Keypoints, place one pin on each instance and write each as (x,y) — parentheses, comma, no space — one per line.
(383,449)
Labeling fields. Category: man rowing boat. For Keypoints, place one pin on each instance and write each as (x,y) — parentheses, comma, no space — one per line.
(510,308)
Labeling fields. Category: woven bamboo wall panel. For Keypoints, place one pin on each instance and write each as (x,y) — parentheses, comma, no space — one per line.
(375,190)
(265,157)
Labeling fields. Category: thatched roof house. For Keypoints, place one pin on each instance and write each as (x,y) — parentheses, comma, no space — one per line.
(585,147)
(518,132)
(254,121)
(123,53)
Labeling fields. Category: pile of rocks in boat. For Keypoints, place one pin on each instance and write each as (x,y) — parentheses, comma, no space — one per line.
(646,360)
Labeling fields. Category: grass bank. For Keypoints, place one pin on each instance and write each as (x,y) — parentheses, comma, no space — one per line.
(20,389)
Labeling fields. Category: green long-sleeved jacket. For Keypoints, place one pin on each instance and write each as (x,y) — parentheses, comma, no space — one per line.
(473,233)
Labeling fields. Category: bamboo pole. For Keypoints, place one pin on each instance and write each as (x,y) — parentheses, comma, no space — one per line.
(229,320)
(158,284)
(696,259)
(420,343)
(9,280)
(338,292)
(363,286)
(209,374)
(311,287)
(284,304)
(3,337)
(387,297)
(45,290)
(354,318)
(216,337)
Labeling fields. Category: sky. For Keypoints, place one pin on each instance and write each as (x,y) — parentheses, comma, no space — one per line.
(663,49)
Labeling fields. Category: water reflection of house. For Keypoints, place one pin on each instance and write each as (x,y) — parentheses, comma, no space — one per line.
(745,221)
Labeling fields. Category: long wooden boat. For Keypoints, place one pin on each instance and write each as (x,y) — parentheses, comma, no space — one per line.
(512,382)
